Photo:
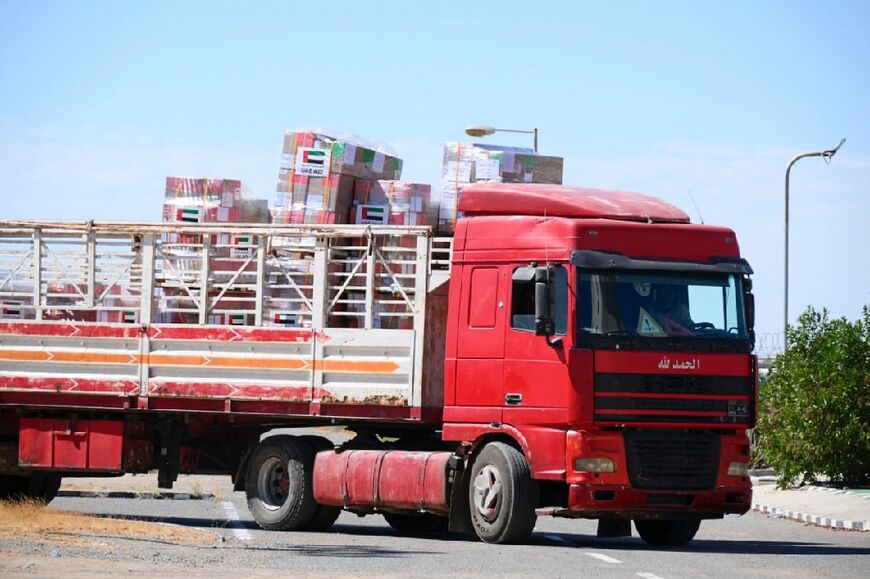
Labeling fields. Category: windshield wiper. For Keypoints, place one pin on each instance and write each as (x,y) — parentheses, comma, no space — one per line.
(623,332)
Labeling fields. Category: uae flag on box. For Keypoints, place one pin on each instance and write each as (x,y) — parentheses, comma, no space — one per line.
(371,214)
(188,214)
(285,319)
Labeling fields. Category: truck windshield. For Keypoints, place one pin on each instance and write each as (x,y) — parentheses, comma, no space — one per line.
(653,304)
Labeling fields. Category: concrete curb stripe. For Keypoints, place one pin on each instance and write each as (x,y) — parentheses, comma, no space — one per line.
(818,520)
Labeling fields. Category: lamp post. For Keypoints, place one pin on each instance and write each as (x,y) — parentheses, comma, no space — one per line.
(826,155)
(482,131)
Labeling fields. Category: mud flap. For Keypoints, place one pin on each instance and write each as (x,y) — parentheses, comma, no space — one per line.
(460,509)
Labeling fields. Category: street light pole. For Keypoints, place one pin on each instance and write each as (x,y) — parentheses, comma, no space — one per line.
(482,131)
(826,155)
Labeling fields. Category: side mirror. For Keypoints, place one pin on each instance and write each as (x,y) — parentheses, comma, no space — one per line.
(544,323)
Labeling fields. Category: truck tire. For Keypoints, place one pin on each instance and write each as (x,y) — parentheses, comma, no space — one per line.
(667,533)
(325,515)
(278,484)
(502,495)
(41,487)
(50,487)
(10,486)
(416,523)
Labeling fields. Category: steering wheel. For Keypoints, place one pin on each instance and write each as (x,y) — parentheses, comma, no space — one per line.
(702,326)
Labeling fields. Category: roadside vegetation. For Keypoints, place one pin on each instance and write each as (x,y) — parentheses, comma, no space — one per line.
(29,520)
(814,414)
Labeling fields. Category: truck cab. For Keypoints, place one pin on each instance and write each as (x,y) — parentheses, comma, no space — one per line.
(608,340)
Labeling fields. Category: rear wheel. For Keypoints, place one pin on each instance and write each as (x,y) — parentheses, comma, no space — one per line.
(667,533)
(34,486)
(50,487)
(278,484)
(417,523)
(502,494)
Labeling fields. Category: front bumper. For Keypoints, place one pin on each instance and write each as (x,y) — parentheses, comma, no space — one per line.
(596,501)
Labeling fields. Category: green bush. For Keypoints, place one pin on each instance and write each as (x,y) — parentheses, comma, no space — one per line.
(814,414)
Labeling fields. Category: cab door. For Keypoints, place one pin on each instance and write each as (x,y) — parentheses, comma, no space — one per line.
(535,373)
(480,353)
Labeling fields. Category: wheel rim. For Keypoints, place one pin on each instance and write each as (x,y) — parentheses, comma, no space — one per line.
(487,492)
(273,484)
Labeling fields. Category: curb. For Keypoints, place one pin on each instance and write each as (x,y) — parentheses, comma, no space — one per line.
(136,495)
(817,520)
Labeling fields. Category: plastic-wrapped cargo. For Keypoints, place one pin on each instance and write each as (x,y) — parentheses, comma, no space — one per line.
(466,163)
(317,175)
(206,200)
(391,202)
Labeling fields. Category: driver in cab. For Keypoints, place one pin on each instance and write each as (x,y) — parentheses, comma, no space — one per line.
(667,313)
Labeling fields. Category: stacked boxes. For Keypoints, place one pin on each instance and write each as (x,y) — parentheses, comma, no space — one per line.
(317,176)
(391,202)
(195,200)
(466,163)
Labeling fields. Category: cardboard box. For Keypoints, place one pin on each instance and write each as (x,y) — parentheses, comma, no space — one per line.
(208,200)
(317,175)
(466,163)
(318,155)
(392,202)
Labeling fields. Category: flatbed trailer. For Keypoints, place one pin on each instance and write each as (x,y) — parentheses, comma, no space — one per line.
(489,377)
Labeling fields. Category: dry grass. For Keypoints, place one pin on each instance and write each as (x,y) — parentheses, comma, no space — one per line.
(33,521)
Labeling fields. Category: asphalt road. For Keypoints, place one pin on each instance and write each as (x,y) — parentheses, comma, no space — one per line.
(749,546)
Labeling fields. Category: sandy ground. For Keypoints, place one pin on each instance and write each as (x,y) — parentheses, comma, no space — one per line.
(31,523)
(196,485)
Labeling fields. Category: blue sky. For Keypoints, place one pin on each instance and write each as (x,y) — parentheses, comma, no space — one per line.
(101,100)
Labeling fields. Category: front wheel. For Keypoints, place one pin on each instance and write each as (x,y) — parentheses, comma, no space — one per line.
(502,495)
(667,533)
(278,484)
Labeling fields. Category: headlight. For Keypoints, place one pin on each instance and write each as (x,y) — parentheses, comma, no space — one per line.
(738,469)
(594,465)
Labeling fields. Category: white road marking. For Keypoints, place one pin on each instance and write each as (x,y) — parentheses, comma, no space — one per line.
(648,575)
(604,558)
(235,524)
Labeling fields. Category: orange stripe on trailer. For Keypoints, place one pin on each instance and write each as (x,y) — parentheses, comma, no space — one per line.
(356,366)
(352,366)
(228,362)
(360,366)
(75,357)
(25,355)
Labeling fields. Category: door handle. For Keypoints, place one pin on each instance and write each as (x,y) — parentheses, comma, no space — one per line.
(513,399)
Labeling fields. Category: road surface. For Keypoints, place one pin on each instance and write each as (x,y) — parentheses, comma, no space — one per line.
(749,546)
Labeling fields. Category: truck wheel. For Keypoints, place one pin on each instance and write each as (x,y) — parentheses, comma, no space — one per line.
(278,484)
(35,486)
(325,515)
(10,486)
(50,486)
(416,523)
(667,533)
(502,494)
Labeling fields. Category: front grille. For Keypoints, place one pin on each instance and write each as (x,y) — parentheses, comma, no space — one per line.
(634,398)
(672,460)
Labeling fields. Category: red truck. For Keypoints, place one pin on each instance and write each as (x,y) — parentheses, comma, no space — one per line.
(569,352)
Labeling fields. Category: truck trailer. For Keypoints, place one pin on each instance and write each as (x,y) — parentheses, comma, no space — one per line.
(569,352)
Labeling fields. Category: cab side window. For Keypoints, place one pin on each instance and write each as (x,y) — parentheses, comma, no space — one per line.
(523,302)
